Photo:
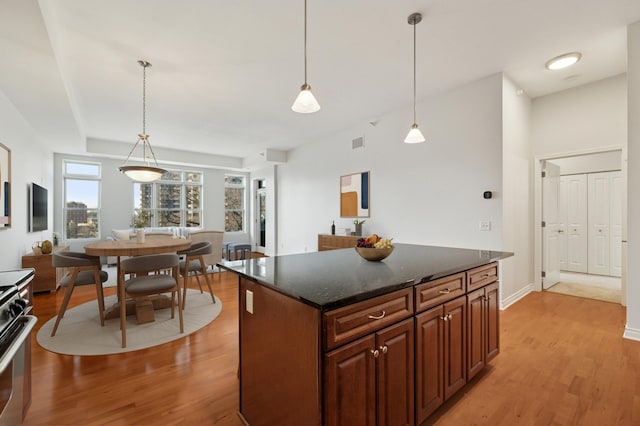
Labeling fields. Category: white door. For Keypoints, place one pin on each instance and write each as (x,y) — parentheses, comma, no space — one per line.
(550,234)
(599,213)
(261,216)
(615,222)
(577,244)
(562,224)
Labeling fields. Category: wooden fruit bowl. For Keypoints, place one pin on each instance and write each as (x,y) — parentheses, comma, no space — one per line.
(373,254)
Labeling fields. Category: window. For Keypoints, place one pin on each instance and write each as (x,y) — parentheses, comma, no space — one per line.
(234,203)
(173,200)
(81,208)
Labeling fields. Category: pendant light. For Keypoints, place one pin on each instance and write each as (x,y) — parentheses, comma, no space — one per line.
(415,135)
(305,103)
(150,171)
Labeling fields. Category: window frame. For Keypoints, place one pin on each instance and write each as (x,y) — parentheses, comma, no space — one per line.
(81,177)
(243,209)
(183,211)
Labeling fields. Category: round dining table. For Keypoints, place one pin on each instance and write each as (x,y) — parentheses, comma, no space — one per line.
(133,247)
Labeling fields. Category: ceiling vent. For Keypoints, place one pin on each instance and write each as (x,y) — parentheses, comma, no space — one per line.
(357,142)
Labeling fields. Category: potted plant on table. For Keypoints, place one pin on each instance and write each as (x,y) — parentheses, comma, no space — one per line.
(358,224)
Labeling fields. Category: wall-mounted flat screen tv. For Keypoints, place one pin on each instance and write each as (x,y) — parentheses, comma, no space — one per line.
(38,202)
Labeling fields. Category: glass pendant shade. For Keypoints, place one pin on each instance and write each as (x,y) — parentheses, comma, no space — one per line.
(305,103)
(414,135)
(142,173)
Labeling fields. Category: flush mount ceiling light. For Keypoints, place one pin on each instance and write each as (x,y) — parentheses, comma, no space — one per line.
(305,103)
(563,61)
(415,135)
(150,171)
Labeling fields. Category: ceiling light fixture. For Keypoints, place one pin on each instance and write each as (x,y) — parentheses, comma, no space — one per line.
(149,172)
(414,135)
(563,61)
(305,103)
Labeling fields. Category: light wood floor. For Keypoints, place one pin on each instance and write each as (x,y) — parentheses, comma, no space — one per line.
(563,362)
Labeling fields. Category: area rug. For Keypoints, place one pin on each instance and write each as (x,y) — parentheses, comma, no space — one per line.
(588,291)
(79,332)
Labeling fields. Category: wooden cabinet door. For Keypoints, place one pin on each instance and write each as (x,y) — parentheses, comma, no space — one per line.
(455,355)
(395,374)
(476,332)
(492,315)
(429,362)
(350,384)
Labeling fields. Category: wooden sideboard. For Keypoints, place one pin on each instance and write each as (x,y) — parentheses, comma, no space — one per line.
(334,242)
(46,278)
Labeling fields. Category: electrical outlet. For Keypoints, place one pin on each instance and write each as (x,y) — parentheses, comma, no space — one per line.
(249,301)
(485,225)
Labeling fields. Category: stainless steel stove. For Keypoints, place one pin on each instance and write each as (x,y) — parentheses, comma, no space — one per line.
(15,330)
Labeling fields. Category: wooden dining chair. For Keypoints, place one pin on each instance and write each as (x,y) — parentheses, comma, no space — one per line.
(81,269)
(194,264)
(140,284)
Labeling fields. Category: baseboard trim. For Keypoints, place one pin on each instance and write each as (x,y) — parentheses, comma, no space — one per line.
(631,333)
(504,304)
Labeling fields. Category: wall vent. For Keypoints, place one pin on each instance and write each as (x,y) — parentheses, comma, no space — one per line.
(357,142)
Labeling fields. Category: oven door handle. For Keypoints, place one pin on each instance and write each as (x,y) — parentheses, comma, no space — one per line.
(7,357)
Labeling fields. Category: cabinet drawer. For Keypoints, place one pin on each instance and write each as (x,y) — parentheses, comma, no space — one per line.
(345,324)
(482,276)
(439,291)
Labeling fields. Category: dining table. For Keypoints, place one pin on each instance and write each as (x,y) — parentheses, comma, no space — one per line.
(143,308)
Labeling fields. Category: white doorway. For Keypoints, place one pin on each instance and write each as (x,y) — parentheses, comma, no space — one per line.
(582,221)
(260,227)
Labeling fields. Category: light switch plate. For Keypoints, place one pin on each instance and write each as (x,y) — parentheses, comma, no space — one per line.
(249,301)
(485,225)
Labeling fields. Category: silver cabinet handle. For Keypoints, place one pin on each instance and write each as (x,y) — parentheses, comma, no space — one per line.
(384,349)
(375,353)
(377,317)
(444,318)
(485,276)
(445,291)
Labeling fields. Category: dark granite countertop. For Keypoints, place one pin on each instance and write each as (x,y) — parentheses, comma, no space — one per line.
(335,278)
(15,277)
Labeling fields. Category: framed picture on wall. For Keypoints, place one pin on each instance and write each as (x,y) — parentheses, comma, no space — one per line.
(5,187)
(354,195)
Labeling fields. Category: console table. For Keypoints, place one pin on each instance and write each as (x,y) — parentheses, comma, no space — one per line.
(334,242)
(46,277)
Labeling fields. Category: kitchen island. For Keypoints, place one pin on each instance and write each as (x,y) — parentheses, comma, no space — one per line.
(329,338)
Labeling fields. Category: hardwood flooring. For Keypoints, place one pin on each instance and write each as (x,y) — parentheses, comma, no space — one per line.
(563,362)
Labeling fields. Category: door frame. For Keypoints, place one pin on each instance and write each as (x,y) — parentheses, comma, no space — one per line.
(537,210)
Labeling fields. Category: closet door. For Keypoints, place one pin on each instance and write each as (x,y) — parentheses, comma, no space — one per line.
(599,229)
(577,244)
(616,224)
(562,224)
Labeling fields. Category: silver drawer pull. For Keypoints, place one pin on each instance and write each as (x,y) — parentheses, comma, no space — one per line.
(378,316)
(445,291)
(485,276)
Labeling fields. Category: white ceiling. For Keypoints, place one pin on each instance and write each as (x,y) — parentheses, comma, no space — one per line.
(225,73)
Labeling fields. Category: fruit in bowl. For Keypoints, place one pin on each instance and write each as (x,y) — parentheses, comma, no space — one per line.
(374,248)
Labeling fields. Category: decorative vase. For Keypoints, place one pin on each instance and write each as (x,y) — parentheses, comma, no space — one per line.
(140,236)
(359,230)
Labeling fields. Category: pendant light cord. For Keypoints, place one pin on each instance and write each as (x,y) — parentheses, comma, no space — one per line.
(144,99)
(414,72)
(305,42)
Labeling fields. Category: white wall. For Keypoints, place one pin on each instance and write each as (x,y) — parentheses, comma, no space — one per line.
(584,118)
(517,200)
(117,196)
(31,161)
(632,329)
(428,193)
